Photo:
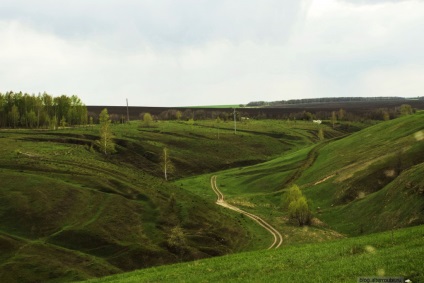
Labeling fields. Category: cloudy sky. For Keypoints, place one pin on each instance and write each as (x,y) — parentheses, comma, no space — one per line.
(211,52)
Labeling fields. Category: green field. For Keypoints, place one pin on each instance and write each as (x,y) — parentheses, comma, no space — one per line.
(69,212)
(385,254)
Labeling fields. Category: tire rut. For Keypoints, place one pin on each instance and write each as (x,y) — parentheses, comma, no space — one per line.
(278,238)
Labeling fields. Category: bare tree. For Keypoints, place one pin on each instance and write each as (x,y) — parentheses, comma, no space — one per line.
(333,118)
(166,163)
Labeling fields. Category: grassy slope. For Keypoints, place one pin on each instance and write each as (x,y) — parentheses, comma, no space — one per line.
(369,181)
(338,261)
(92,216)
(67,212)
(374,178)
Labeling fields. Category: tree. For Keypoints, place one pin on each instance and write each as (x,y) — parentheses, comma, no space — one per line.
(14,116)
(299,210)
(177,240)
(291,195)
(386,116)
(39,108)
(297,205)
(341,114)
(191,123)
(333,118)
(53,123)
(321,134)
(147,120)
(32,119)
(105,143)
(406,109)
(63,122)
(218,121)
(179,115)
(166,163)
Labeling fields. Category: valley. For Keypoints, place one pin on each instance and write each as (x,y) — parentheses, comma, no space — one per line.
(69,212)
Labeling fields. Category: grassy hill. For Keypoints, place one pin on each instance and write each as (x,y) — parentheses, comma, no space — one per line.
(68,212)
(366,182)
(385,254)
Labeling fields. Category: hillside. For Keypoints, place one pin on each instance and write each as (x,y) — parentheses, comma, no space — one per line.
(371,179)
(68,212)
(397,255)
(366,182)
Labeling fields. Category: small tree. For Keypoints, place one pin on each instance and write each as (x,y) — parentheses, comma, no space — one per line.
(333,118)
(321,134)
(341,115)
(14,116)
(299,210)
(386,116)
(297,206)
(177,241)
(63,122)
(291,195)
(53,123)
(179,115)
(191,123)
(105,143)
(406,109)
(218,121)
(147,120)
(32,119)
(166,163)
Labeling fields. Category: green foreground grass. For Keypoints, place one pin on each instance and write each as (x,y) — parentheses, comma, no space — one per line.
(394,253)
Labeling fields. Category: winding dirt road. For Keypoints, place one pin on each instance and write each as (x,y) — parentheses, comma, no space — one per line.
(278,239)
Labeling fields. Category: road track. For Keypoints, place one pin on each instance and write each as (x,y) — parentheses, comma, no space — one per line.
(278,239)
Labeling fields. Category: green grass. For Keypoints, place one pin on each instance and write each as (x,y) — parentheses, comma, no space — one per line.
(363,183)
(61,197)
(385,254)
(91,215)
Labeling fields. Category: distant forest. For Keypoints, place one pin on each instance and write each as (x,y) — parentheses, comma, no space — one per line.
(325,100)
(22,110)
(347,109)
(40,111)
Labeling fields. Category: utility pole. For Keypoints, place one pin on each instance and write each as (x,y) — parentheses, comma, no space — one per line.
(128,113)
(235,123)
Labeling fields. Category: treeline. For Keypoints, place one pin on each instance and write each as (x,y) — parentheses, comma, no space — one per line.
(22,110)
(341,114)
(324,100)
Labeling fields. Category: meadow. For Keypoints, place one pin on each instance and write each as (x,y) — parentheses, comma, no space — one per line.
(398,255)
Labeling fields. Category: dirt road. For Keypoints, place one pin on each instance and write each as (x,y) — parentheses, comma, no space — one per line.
(278,239)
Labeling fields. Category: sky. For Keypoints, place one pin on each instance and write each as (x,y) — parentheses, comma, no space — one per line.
(211,52)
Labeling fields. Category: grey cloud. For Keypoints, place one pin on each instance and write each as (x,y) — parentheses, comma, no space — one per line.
(161,23)
(373,2)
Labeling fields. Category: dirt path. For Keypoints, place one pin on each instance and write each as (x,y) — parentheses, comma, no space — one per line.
(278,239)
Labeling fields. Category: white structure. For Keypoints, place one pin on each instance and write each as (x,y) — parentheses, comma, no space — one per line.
(317,121)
